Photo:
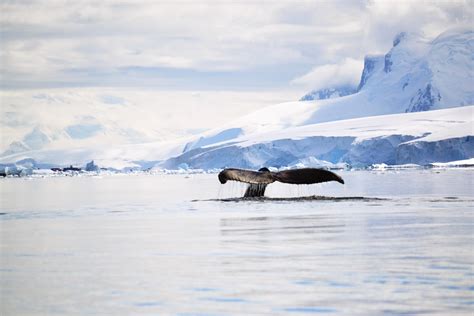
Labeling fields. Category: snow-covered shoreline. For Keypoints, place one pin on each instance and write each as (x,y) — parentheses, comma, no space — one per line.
(25,173)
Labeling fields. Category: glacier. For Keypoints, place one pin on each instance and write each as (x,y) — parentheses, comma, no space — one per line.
(408,138)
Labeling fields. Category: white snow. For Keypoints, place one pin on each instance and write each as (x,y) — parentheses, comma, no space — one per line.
(436,125)
(457,163)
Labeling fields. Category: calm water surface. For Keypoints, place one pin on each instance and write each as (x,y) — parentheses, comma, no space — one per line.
(162,245)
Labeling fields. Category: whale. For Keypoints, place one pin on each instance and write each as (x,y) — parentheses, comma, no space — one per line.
(258,180)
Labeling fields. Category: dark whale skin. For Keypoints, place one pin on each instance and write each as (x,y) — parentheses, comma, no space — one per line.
(295,176)
(306,176)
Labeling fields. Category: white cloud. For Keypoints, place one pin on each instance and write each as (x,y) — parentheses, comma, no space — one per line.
(384,19)
(332,75)
(43,40)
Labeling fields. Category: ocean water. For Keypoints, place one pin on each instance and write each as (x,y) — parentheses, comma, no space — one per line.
(392,243)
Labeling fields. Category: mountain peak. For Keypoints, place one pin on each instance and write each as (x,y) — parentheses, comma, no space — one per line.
(407,37)
(329,93)
(398,38)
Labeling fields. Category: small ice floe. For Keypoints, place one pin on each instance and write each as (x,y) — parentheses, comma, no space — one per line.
(13,170)
(91,166)
(383,167)
(313,162)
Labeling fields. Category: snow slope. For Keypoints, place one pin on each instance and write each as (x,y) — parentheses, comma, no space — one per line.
(420,138)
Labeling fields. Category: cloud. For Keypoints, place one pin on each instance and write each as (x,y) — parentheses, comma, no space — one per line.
(384,19)
(332,75)
(45,42)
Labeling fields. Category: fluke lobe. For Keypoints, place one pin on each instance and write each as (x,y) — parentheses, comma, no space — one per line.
(258,180)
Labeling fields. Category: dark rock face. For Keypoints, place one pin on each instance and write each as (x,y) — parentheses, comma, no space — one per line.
(370,63)
(398,38)
(424,100)
(329,93)
(388,63)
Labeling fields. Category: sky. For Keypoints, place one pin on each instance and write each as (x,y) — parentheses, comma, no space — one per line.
(205,45)
(193,57)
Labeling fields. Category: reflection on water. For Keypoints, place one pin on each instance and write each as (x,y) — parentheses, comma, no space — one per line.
(164,245)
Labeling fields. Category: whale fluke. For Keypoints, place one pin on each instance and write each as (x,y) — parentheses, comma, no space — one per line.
(306,176)
(247,176)
(258,180)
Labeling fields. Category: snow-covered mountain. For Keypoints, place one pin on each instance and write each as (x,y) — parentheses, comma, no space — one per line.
(420,75)
(119,157)
(86,118)
(33,120)
(416,75)
(431,74)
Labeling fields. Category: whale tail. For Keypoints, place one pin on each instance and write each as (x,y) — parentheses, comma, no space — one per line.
(258,180)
